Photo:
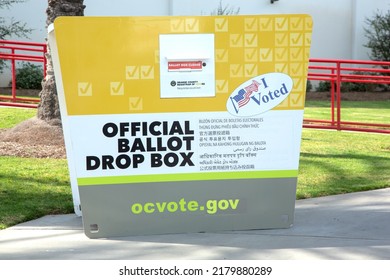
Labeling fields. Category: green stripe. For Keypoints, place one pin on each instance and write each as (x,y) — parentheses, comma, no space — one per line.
(186,177)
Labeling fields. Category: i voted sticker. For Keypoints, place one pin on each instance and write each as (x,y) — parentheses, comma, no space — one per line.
(259,94)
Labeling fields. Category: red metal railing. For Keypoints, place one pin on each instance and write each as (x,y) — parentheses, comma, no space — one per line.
(338,72)
(21,51)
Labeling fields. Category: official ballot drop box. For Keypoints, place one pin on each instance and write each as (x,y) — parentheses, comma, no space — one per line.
(182,124)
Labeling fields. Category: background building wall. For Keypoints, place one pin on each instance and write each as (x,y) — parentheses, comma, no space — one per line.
(364,9)
(332,36)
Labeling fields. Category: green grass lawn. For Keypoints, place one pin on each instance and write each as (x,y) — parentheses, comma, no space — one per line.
(358,111)
(9,117)
(331,162)
(334,162)
(31,188)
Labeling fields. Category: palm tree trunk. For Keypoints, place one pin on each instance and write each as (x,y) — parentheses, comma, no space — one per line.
(48,108)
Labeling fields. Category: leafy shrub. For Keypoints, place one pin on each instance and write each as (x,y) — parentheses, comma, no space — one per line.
(345,87)
(29,76)
(363,87)
(225,10)
(323,86)
(378,35)
(2,65)
(359,87)
(348,87)
(309,86)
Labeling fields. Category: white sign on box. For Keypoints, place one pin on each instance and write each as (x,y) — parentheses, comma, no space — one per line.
(187,65)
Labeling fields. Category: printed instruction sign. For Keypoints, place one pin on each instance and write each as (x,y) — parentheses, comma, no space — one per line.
(182,124)
(187,65)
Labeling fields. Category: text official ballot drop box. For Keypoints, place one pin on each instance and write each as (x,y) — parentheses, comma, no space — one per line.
(182,124)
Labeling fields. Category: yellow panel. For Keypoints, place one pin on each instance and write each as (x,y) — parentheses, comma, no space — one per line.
(111,65)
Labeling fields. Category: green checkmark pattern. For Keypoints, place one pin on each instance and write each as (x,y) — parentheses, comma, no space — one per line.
(118,72)
(255,45)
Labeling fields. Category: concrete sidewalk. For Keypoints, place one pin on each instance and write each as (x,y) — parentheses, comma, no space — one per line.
(352,226)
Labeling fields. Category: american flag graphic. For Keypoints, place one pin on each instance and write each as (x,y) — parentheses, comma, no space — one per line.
(242,98)
(244,95)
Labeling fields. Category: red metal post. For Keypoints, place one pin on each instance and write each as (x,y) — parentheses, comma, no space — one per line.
(44,61)
(332,97)
(338,95)
(13,73)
